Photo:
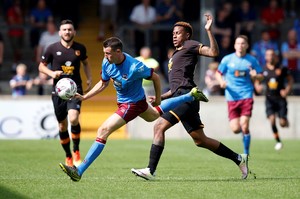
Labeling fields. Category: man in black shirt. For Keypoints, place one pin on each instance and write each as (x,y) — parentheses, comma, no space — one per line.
(181,80)
(278,83)
(65,58)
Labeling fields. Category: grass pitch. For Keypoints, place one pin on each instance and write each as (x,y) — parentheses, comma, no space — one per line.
(29,169)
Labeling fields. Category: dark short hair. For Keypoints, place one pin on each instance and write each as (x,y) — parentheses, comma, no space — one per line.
(66,21)
(187,27)
(113,42)
(243,37)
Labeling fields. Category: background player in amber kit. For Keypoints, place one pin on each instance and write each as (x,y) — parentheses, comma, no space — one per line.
(278,83)
(66,57)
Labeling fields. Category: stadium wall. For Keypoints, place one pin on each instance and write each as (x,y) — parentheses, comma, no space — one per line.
(216,124)
(33,118)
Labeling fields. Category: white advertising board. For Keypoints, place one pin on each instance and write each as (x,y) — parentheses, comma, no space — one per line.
(27,119)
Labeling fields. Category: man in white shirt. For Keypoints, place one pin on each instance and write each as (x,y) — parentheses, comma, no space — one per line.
(142,16)
(48,37)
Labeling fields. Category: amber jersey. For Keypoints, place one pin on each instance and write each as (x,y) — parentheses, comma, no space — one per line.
(67,60)
(275,80)
(182,65)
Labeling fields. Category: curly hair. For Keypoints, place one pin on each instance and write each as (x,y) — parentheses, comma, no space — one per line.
(187,27)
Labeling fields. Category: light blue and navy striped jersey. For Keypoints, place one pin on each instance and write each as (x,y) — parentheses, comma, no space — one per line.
(236,71)
(127,78)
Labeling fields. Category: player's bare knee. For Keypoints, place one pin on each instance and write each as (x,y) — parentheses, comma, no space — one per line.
(103,132)
(283,123)
(236,131)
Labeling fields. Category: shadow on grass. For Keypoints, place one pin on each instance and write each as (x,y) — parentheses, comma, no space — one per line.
(250,178)
(7,193)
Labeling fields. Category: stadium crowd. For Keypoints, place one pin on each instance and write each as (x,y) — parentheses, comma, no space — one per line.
(268,24)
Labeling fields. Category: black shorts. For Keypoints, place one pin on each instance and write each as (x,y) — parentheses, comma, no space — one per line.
(61,106)
(187,113)
(276,105)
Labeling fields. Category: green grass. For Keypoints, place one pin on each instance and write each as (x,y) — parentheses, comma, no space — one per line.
(29,169)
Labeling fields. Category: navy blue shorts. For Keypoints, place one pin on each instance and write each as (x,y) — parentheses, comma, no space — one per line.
(61,106)
(187,113)
(276,105)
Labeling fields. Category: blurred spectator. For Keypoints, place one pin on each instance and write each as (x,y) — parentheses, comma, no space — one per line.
(259,48)
(225,48)
(297,26)
(15,21)
(6,5)
(142,16)
(44,84)
(48,37)
(165,68)
(272,17)
(212,84)
(290,50)
(167,13)
(108,11)
(21,82)
(146,58)
(190,10)
(69,9)
(246,17)
(222,26)
(39,17)
(1,49)
(231,16)
(289,8)
(126,10)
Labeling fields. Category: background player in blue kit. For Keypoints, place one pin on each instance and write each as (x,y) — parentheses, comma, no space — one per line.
(236,74)
(127,74)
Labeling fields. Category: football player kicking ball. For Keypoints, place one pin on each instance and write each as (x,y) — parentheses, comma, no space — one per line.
(127,73)
(182,66)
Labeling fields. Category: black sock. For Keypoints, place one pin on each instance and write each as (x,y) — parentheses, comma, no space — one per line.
(75,130)
(276,137)
(76,144)
(275,133)
(155,154)
(225,152)
(65,142)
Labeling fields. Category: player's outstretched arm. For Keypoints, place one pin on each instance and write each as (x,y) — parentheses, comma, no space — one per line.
(157,89)
(98,88)
(213,49)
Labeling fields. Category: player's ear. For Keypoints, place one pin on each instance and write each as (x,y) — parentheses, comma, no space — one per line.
(187,35)
(247,45)
(74,32)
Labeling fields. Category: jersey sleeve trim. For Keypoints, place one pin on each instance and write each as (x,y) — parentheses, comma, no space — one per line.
(148,78)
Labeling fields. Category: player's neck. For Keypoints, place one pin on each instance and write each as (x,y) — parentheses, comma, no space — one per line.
(67,44)
(270,66)
(121,59)
(240,54)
